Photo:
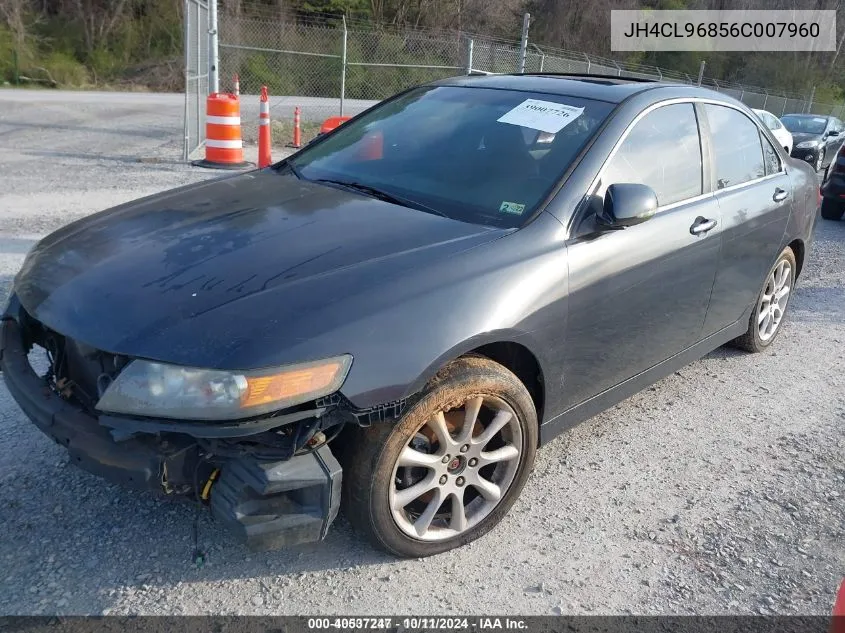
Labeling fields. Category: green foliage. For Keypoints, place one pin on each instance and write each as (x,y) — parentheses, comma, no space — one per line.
(7,54)
(104,64)
(66,70)
(356,9)
(829,93)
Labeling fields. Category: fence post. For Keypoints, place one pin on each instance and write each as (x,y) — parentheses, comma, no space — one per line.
(470,45)
(659,74)
(213,54)
(765,99)
(199,72)
(343,68)
(523,45)
(810,104)
(783,107)
(618,68)
(185,150)
(587,57)
(701,72)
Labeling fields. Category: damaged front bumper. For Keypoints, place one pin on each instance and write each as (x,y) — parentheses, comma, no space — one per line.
(267,503)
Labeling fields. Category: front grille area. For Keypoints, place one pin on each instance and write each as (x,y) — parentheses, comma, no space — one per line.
(76,371)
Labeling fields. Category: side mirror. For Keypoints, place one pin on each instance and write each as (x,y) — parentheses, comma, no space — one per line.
(832,133)
(627,204)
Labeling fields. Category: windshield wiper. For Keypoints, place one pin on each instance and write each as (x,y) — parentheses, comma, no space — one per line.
(380,194)
(293,169)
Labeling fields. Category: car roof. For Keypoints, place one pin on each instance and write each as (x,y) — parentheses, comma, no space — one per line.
(600,87)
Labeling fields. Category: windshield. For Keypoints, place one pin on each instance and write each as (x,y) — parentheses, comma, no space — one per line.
(480,155)
(804,124)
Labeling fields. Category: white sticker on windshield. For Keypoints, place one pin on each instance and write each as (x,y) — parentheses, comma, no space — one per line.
(819,120)
(546,116)
(512,207)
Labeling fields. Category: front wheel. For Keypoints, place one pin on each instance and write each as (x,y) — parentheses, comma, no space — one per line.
(770,308)
(450,469)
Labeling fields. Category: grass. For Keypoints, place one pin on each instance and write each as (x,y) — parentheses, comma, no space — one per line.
(283,131)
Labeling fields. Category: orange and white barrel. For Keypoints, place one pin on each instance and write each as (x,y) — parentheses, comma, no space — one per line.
(224,148)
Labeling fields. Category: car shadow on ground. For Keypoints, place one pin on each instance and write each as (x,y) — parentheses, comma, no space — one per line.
(89,533)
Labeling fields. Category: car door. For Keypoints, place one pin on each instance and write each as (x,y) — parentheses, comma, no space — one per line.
(833,141)
(754,193)
(639,295)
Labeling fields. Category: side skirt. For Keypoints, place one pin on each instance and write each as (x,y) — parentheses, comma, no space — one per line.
(610,397)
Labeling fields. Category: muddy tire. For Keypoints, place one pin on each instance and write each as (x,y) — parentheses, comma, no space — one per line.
(450,469)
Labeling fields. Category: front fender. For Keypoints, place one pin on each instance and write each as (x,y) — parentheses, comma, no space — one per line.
(524,339)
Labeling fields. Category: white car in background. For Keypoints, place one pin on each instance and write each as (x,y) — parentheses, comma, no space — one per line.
(783,135)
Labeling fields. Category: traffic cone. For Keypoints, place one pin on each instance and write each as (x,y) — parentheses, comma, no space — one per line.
(224,148)
(264,135)
(297,132)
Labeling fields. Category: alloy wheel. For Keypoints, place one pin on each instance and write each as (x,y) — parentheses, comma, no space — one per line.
(773,301)
(455,469)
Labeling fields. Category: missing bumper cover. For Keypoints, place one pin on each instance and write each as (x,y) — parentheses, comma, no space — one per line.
(268,504)
(278,504)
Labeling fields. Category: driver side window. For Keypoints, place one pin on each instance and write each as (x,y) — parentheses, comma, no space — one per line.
(663,151)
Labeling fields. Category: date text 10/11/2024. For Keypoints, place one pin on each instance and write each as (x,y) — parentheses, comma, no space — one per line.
(418,623)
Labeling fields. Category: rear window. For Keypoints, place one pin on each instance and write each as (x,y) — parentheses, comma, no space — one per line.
(480,155)
(736,146)
(804,124)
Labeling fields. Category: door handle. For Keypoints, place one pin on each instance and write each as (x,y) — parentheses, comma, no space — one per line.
(779,195)
(702,225)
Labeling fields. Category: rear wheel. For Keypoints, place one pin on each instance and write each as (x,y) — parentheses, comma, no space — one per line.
(770,309)
(832,209)
(450,469)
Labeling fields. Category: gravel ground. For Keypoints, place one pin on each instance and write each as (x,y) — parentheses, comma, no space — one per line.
(718,490)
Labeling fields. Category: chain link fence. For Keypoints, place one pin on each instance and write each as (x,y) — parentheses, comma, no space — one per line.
(196,74)
(334,67)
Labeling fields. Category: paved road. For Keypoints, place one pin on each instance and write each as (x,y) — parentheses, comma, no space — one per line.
(718,490)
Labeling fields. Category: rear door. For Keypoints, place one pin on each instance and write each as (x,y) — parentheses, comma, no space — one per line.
(755,198)
(639,295)
(833,142)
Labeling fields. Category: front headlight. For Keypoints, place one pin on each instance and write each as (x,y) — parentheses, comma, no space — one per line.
(186,393)
(807,145)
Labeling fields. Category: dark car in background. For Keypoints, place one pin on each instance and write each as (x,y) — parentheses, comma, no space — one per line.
(397,316)
(816,138)
(833,188)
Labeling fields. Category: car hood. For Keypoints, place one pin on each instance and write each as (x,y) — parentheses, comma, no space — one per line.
(803,137)
(135,279)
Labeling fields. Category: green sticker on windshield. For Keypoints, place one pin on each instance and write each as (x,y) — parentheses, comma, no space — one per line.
(512,207)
